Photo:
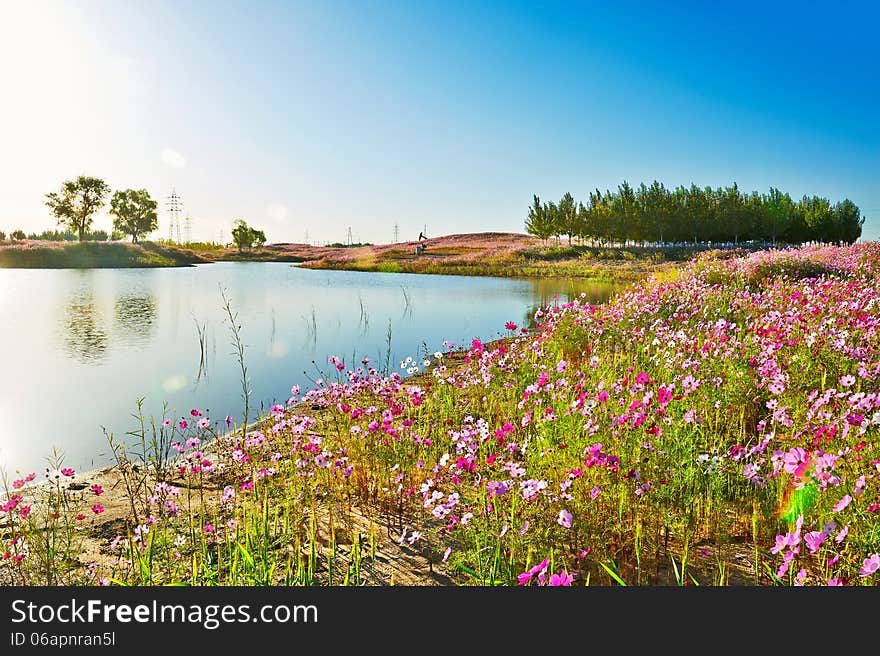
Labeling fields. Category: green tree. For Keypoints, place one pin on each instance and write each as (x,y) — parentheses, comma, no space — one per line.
(258,238)
(848,221)
(538,223)
(567,217)
(242,236)
(818,216)
(77,202)
(134,213)
(2,236)
(17,235)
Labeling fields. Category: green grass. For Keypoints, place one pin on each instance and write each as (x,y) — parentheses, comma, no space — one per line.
(92,255)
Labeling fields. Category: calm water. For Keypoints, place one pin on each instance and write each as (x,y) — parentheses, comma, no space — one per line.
(79,347)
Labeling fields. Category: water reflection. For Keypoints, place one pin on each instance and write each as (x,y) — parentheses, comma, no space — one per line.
(136,317)
(121,335)
(85,338)
(552,291)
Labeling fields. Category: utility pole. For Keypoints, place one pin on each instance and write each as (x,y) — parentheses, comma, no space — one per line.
(396,233)
(307,237)
(175,206)
(350,241)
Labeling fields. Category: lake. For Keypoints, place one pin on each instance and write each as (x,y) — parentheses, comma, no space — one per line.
(79,347)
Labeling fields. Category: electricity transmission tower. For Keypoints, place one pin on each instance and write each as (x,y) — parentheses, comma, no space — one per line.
(175,206)
(350,241)
(396,233)
(187,229)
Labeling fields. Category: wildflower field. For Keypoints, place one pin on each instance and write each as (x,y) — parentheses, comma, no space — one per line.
(714,425)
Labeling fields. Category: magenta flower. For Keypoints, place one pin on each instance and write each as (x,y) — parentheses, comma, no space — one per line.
(564,519)
(527,576)
(195,413)
(67,471)
(510,325)
(814,540)
(561,579)
(97,490)
(870,565)
(97,509)
(183,424)
(208,528)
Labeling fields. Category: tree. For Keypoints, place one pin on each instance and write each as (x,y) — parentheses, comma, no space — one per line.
(134,213)
(2,236)
(848,221)
(258,238)
(538,223)
(77,202)
(242,236)
(567,216)
(17,235)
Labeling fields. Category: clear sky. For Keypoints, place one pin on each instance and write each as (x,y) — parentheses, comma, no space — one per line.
(313,117)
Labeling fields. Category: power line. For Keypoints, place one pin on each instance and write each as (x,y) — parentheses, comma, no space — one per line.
(175,206)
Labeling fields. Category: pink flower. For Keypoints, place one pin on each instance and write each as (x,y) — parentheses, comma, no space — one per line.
(526,576)
(871,565)
(561,366)
(67,471)
(166,423)
(97,489)
(204,422)
(97,509)
(182,423)
(843,503)
(561,579)
(814,540)
(510,325)
(208,528)
(564,518)
(195,413)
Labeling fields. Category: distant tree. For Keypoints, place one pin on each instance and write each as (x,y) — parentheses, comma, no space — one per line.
(696,214)
(242,236)
(567,223)
(848,221)
(818,216)
(17,235)
(134,213)
(2,236)
(77,202)
(538,223)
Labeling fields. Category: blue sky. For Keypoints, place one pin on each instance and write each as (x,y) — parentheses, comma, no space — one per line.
(313,117)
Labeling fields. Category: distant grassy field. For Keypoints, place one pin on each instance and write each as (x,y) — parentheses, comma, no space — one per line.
(91,255)
(494,254)
(33,254)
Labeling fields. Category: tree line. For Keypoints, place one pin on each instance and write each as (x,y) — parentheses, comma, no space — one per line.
(133,210)
(694,214)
